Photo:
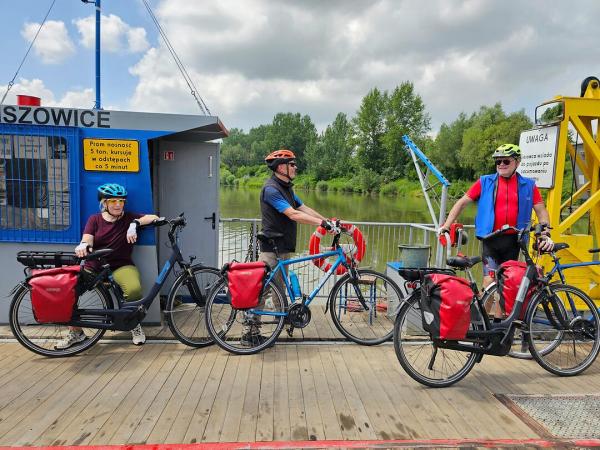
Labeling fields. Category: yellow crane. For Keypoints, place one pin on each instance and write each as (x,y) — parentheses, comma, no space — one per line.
(570,124)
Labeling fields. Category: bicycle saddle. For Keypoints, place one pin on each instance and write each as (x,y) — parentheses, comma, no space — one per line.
(415,273)
(410,274)
(266,236)
(463,262)
(98,254)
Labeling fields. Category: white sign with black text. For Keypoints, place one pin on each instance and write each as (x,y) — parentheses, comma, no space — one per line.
(538,155)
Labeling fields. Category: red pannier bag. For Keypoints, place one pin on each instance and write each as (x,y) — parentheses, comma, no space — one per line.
(53,293)
(508,277)
(245,281)
(446,306)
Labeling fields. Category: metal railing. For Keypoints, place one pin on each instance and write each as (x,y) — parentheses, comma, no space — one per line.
(237,241)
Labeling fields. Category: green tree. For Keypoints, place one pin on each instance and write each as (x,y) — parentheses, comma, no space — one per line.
(490,127)
(445,151)
(370,128)
(258,147)
(234,156)
(291,131)
(331,155)
(405,114)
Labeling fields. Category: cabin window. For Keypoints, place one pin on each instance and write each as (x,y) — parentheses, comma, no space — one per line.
(37,186)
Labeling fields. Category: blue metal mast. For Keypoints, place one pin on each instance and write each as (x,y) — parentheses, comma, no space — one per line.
(97,104)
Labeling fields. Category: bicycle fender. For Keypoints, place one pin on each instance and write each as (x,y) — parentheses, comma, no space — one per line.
(20,284)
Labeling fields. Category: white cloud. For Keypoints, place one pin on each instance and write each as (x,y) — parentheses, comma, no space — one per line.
(253,58)
(116,35)
(82,98)
(53,44)
(76,98)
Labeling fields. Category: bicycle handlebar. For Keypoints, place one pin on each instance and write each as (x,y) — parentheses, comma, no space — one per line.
(538,229)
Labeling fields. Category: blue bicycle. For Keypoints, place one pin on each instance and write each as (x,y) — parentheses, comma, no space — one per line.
(520,348)
(360,303)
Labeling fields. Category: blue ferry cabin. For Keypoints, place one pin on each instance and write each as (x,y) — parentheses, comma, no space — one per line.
(53,159)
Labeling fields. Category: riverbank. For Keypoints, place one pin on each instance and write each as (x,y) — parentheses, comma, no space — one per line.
(253,177)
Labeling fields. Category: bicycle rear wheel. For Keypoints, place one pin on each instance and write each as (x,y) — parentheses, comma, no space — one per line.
(243,332)
(185,307)
(375,323)
(41,338)
(563,335)
(415,349)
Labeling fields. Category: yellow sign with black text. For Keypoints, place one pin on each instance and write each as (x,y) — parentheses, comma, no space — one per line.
(111,155)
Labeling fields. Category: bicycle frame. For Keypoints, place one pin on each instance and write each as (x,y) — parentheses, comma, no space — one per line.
(282,264)
(129,314)
(498,335)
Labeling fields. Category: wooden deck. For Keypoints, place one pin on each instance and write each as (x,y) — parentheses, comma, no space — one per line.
(117,393)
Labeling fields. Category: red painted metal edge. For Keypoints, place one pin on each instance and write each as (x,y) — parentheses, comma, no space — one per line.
(493,443)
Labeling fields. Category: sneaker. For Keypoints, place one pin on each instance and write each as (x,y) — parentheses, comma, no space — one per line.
(138,336)
(253,340)
(74,337)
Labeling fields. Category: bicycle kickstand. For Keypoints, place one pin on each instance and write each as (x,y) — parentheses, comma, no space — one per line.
(290,331)
(433,355)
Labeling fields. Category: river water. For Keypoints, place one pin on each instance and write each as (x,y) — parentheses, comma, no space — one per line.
(244,203)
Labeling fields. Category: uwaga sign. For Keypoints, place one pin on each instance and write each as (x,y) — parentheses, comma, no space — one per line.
(538,154)
(111,155)
(61,117)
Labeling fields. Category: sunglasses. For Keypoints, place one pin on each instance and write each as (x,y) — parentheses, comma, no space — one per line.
(114,201)
(505,162)
(293,164)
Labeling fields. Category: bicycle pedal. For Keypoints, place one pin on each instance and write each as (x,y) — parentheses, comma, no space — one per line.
(290,332)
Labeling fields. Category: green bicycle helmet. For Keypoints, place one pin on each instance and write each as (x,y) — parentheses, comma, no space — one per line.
(111,190)
(507,151)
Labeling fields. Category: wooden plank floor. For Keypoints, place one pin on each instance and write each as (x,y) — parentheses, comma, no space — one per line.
(117,393)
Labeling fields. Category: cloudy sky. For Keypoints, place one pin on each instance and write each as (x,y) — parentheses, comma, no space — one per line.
(250,59)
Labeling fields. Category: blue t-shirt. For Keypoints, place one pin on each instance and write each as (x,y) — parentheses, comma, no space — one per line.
(274,198)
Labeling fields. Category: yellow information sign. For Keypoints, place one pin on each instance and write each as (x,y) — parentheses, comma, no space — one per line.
(111,155)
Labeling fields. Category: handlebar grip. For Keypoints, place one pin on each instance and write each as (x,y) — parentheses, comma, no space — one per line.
(178,221)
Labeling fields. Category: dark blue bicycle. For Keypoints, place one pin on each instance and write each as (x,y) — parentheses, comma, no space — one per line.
(520,348)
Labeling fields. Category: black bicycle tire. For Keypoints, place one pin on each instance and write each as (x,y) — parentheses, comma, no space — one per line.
(170,305)
(28,344)
(217,337)
(408,367)
(332,307)
(539,357)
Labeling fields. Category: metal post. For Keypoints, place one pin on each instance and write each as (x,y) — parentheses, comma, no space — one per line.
(439,255)
(98,17)
(254,242)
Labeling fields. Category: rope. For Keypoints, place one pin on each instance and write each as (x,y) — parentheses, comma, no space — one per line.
(180,66)
(12,82)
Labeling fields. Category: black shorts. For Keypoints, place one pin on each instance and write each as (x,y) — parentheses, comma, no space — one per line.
(497,250)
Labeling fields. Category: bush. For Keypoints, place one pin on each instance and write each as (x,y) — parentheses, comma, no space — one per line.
(389,189)
(322,186)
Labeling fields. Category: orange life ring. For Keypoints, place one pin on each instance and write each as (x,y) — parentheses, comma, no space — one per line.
(314,248)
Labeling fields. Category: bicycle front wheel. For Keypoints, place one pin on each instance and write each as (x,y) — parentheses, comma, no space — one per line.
(418,355)
(185,307)
(563,330)
(42,338)
(370,323)
(244,332)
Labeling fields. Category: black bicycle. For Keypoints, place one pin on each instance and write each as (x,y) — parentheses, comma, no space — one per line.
(95,310)
(560,322)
